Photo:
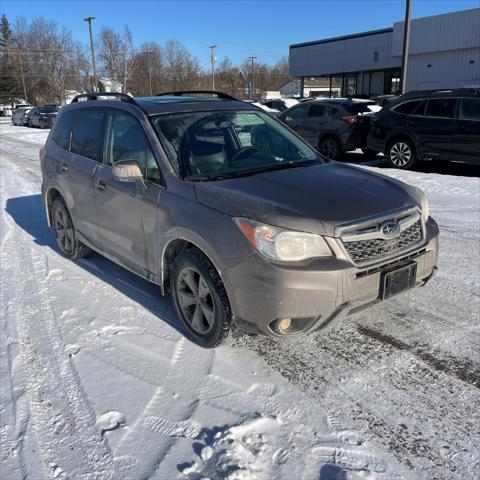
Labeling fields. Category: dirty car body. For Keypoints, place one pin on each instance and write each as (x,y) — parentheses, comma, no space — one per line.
(298,242)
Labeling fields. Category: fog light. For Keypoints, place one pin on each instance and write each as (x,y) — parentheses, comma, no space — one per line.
(284,325)
(290,326)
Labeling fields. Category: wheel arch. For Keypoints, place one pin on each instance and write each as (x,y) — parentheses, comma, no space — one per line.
(51,195)
(178,244)
(397,136)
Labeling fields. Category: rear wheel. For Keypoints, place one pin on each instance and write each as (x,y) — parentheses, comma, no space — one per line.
(200,299)
(401,154)
(65,233)
(330,148)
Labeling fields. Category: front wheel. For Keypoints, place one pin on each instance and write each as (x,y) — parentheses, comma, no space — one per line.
(330,148)
(65,233)
(200,299)
(401,154)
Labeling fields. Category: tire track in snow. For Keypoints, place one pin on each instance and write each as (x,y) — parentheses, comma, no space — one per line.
(60,414)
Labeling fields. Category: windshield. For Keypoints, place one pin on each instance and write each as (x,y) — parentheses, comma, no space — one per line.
(213,145)
(49,109)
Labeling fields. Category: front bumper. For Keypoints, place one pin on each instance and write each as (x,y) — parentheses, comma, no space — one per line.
(324,292)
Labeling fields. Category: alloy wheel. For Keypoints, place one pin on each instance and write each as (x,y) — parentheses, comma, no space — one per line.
(195,300)
(64,231)
(329,148)
(400,154)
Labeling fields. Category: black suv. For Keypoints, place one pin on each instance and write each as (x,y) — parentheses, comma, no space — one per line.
(332,126)
(429,125)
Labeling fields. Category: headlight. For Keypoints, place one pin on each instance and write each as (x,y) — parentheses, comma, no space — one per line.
(283,245)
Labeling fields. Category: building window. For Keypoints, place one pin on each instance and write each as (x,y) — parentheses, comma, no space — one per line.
(376,55)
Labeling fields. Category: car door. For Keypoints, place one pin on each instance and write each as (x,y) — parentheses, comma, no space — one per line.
(127,212)
(434,130)
(295,117)
(75,170)
(466,137)
(318,120)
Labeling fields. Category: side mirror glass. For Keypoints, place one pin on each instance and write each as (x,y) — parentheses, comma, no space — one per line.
(127,171)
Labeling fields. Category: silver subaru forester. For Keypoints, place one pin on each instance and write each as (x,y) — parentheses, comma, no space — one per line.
(232,212)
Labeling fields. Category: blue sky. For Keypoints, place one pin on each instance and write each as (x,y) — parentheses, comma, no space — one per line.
(239,28)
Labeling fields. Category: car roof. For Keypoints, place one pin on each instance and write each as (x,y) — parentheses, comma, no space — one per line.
(162,104)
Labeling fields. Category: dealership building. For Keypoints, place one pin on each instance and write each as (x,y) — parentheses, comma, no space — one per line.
(444,52)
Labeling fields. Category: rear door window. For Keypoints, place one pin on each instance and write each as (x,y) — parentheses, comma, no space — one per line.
(470,109)
(88,133)
(63,128)
(319,111)
(440,107)
(408,108)
(296,113)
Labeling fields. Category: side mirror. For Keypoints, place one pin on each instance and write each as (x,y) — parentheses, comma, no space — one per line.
(127,171)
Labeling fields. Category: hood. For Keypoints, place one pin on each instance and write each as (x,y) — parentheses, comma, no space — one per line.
(312,199)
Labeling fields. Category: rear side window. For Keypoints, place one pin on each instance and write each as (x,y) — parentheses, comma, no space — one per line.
(87,134)
(440,107)
(470,109)
(319,111)
(407,108)
(63,127)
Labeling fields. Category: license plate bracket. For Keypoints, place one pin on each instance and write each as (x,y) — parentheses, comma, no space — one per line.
(397,280)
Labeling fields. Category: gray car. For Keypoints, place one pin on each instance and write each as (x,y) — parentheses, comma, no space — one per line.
(232,212)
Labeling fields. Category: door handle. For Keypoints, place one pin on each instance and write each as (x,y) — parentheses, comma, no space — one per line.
(100,184)
(63,167)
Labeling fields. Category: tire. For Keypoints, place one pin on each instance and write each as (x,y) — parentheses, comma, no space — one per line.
(401,154)
(330,147)
(200,299)
(65,235)
(369,153)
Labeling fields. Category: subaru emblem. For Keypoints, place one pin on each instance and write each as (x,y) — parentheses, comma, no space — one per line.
(390,229)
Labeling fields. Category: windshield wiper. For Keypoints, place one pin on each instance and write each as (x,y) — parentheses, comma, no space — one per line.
(246,173)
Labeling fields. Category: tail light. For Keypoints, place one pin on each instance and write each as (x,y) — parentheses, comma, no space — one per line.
(42,153)
(350,120)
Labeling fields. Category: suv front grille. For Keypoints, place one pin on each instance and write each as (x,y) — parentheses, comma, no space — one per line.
(368,251)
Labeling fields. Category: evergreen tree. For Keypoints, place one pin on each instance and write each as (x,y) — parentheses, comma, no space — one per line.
(9,83)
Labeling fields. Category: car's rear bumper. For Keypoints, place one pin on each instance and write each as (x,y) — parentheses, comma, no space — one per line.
(261,292)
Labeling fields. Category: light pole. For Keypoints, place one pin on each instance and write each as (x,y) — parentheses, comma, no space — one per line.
(406,43)
(212,58)
(252,84)
(89,20)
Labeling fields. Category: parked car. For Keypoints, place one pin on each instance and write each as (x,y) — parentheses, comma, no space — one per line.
(264,107)
(429,125)
(42,117)
(332,125)
(280,104)
(183,191)
(19,116)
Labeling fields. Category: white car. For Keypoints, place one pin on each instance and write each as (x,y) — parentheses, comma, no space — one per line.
(280,104)
(264,107)
(19,116)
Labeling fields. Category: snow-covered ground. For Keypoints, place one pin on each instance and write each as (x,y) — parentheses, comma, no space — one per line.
(97,381)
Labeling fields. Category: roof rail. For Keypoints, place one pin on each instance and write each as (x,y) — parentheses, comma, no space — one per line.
(94,96)
(181,93)
(445,90)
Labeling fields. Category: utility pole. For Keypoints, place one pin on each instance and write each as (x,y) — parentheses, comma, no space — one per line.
(212,58)
(252,84)
(89,20)
(406,43)
(149,71)
(20,61)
